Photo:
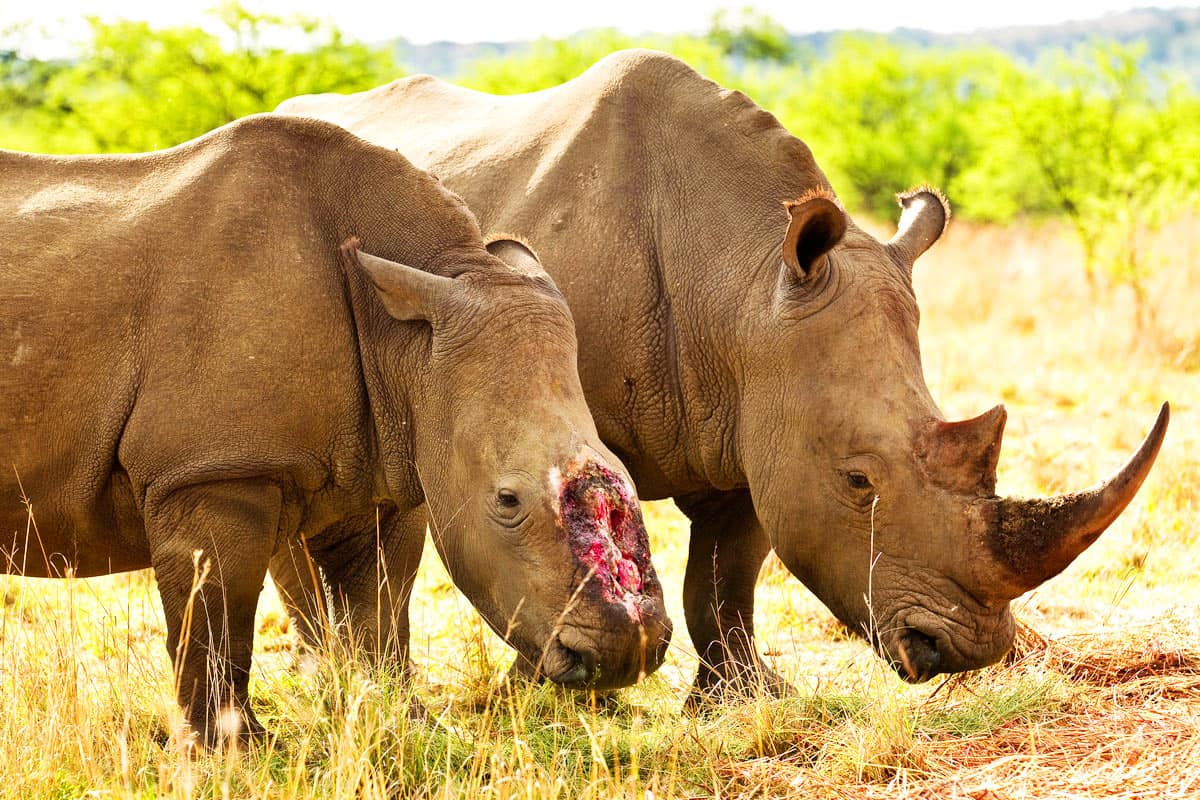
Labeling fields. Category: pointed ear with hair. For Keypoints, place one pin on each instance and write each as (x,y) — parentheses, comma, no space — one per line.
(923,219)
(407,293)
(817,224)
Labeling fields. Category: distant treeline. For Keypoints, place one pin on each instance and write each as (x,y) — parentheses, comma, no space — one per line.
(1169,38)
(1091,137)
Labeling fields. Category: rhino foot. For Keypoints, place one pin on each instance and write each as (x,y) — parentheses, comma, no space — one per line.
(731,682)
(417,713)
(232,726)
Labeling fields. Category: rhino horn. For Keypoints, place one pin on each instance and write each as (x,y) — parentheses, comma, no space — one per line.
(962,456)
(923,220)
(1035,539)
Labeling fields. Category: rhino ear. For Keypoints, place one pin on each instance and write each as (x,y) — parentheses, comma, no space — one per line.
(923,219)
(817,224)
(407,293)
(517,255)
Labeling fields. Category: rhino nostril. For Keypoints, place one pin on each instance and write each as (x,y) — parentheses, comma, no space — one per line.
(918,658)
(582,672)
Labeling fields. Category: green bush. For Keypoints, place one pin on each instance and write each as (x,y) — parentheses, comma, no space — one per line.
(135,88)
(1089,138)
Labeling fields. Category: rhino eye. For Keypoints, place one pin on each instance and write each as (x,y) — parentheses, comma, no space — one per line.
(507,498)
(858,480)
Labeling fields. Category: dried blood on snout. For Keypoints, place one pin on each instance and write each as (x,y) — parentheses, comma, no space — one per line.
(604,526)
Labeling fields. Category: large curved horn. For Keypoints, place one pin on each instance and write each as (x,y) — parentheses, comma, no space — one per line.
(1037,538)
(923,219)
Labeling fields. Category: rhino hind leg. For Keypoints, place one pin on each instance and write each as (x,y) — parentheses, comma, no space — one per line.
(365,574)
(210,544)
(726,552)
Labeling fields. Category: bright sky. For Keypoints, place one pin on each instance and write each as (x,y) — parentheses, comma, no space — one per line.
(500,20)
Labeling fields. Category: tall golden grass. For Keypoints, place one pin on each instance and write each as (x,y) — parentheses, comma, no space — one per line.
(1100,697)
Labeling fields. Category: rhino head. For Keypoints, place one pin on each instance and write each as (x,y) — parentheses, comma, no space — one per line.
(884,509)
(534,518)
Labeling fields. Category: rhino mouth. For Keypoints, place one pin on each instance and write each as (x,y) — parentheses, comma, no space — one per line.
(556,662)
(924,645)
(573,668)
(916,657)
(578,661)
(571,661)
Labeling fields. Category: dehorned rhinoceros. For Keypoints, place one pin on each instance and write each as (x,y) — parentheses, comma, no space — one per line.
(190,366)
(749,351)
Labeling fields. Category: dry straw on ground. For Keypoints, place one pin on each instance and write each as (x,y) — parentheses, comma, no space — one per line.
(1100,697)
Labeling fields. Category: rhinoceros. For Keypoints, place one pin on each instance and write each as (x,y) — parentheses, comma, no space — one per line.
(749,351)
(195,378)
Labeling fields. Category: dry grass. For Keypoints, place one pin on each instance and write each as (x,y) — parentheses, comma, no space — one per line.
(1100,698)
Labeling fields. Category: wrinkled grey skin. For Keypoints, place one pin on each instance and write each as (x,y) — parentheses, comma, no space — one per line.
(190,367)
(749,351)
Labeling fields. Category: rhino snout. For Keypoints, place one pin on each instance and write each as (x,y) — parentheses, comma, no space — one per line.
(603,524)
(926,644)
(608,662)
(615,629)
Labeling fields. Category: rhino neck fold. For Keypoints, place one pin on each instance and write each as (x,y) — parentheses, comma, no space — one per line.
(389,404)
(718,289)
(392,222)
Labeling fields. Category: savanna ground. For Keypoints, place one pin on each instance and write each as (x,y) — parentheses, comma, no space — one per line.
(1101,697)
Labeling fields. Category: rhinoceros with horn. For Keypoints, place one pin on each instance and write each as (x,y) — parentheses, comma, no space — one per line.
(752,353)
(193,375)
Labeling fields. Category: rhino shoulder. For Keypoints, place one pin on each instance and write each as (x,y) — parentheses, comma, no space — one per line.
(637,84)
(641,68)
(283,148)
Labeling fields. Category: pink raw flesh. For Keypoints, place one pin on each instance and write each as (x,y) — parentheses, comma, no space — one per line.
(604,527)
(628,575)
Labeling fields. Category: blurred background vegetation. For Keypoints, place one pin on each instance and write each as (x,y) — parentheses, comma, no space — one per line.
(1091,130)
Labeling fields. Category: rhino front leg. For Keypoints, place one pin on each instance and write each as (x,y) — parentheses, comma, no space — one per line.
(210,545)
(367,575)
(726,551)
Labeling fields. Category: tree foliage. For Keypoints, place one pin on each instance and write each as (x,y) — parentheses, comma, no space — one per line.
(881,118)
(136,88)
(750,35)
(1112,152)
(1089,137)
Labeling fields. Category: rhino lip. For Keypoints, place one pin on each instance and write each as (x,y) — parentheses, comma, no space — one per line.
(582,673)
(578,667)
(917,657)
